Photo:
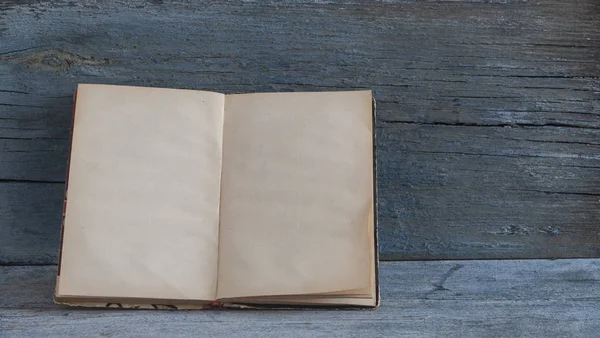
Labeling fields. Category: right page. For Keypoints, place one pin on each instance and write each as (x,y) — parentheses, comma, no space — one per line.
(296,195)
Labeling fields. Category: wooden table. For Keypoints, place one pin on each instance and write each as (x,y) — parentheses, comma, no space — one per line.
(487,145)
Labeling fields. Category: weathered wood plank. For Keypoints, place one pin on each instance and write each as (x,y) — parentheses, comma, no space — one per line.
(29,213)
(487,112)
(529,298)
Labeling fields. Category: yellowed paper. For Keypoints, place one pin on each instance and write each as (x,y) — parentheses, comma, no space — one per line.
(359,297)
(297,194)
(143,197)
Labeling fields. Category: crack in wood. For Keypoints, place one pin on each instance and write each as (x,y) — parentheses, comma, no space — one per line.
(496,125)
(23,105)
(31,138)
(8,180)
(13,91)
(541,155)
(551,192)
(17,51)
(552,141)
(439,284)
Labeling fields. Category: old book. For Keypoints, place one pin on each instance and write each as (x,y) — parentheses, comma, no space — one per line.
(194,199)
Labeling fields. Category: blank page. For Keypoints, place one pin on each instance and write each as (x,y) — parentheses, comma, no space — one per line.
(297,194)
(143,194)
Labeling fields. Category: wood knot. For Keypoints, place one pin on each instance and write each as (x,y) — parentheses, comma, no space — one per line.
(57,60)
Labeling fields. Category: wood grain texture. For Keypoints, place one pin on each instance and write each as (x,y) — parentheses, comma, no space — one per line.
(487,129)
(531,298)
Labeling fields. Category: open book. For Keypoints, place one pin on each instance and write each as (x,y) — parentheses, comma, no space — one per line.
(193,199)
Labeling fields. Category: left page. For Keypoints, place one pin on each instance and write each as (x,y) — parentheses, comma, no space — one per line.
(142,214)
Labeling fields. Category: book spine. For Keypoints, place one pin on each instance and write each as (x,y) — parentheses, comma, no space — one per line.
(375,204)
(62,225)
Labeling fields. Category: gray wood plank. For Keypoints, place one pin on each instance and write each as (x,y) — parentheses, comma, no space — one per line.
(527,298)
(29,215)
(487,112)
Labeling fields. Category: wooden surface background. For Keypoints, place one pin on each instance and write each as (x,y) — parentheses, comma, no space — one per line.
(487,145)
(487,128)
(462,299)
